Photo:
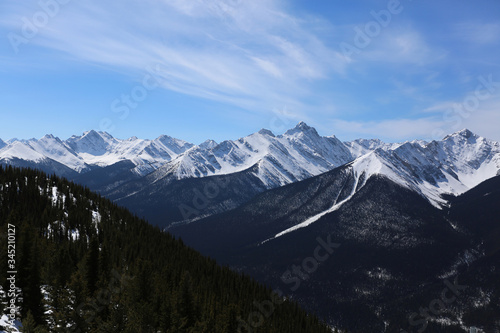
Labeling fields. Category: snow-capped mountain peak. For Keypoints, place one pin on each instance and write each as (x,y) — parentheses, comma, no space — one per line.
(360,147)
(265,131)
(176,146)
(208,144)
(301,129)
(464,133)
(92,142)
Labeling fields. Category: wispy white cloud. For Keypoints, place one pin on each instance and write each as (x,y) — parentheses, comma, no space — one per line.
(402,46)
(478,32)
(252,53)
(485,120)
(268,66)
(393,130)
(440,107)
(439,119)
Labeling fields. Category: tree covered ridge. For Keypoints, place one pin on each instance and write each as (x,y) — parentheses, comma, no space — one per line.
(87,265)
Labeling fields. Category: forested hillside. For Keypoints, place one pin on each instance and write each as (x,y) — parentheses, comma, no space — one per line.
(86,265)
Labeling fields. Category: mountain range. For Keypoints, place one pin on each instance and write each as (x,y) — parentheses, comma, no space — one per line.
(168,180)
(295,155)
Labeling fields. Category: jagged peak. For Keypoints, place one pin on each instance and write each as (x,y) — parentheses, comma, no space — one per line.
(90,133)
(302,127)
(361,140)
(106,135)
(23,141)
(208,144)
(163,137)
(421,143)
(50,137)
(168,140)
(265,131)
(465,133)
(95,136)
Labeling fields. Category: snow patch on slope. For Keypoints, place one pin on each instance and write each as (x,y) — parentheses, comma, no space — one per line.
(7,324)
(361,169)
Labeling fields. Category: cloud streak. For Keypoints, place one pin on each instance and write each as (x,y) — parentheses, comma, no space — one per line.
(392,130)
(249,53)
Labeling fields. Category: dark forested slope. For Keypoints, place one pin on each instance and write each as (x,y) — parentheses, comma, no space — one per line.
(389,252)
(86,265)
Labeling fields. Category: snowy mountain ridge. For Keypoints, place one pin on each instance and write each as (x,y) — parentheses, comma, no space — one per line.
(453,165)
(295,155)
(81,153)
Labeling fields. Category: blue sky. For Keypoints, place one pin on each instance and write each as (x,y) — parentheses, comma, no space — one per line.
(223,69)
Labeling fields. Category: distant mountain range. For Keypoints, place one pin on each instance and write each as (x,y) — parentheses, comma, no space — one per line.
(81,154)
(162,179)
(295,155)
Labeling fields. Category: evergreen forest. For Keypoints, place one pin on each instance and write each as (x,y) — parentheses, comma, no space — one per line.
(85,264)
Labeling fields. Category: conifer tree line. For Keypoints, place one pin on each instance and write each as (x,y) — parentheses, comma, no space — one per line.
(87,265)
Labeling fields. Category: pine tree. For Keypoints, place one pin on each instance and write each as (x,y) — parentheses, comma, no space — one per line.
(30,282)
(91,267)
(229,322)
(29,323)
(185,309)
